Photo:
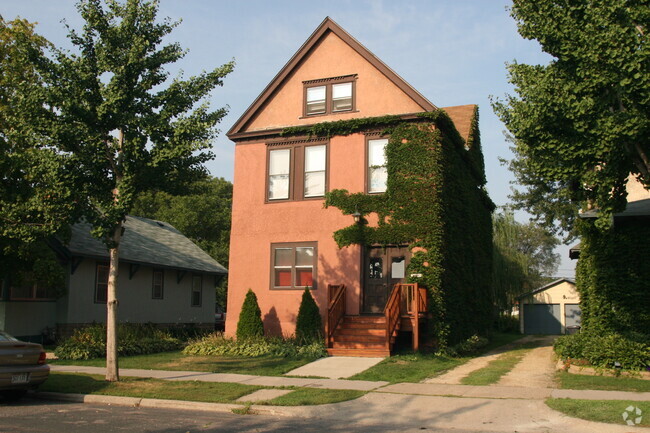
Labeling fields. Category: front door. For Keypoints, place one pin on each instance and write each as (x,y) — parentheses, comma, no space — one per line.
(383,268)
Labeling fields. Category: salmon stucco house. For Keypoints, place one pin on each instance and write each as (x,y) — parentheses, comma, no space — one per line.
(282,235)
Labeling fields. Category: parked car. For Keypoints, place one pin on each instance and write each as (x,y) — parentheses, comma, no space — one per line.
(22,366)
(219,318)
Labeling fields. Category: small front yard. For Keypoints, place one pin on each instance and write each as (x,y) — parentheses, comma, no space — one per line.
(178,361)
(210,392)
(606,383)
(610,411)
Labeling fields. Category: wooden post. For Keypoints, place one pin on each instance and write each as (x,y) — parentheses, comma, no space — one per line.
(416,319)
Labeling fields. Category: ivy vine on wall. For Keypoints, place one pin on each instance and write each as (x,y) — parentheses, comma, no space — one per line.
(436,204)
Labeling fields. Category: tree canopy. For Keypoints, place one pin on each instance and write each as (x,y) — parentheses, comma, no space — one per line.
(580,124)
(121,127)
(523,258)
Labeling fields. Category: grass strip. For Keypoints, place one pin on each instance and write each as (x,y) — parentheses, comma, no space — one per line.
(606,383)
(492,372)
(609,411)
(412,368)
(209,392)
(314,396)
(177,361)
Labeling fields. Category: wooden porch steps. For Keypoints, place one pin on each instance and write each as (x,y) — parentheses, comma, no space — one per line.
(361,336)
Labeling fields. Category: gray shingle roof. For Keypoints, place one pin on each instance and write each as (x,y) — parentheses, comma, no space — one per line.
(147,242)
(639,208)
(547,286)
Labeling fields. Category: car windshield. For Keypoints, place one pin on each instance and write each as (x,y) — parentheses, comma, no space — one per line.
(6,337)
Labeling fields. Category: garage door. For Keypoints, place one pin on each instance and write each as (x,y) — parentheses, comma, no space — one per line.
(542,319)
(572,314)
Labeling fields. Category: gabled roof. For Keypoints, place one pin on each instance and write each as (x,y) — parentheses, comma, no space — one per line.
(146,242)
(547,286)
(326,27)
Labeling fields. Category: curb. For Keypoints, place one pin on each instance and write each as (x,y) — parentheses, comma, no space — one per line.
(157,403)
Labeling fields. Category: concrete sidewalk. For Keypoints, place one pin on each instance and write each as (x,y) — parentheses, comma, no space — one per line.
(423,389)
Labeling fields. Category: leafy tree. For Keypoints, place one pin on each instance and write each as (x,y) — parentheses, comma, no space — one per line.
(580,123)
(202,214)
(523,258)
(309,324)
(250,323)
(35,194)
(120,124)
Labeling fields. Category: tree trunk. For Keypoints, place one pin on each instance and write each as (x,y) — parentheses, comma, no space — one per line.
(112,370)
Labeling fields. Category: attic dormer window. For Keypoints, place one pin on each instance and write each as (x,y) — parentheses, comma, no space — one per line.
(329,95)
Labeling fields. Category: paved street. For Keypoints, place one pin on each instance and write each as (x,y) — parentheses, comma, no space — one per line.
(39,416)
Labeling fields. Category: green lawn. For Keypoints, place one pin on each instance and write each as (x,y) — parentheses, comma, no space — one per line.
(492,372)
(262,366)
(607,383)
(211,392)
(413,367)
(610,411)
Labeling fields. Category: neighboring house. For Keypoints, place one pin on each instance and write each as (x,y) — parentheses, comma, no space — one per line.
(164,278)
(281,238)
(550,309)
(612,275)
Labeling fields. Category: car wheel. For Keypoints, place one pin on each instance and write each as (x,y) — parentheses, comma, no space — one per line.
(14,394)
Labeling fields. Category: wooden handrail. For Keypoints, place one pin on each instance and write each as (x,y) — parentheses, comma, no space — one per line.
(392,312)
(335,310)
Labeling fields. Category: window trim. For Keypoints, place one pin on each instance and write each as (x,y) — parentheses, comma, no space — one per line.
(200,291)
(370,137)
(162,284)
(329,101)
(293,246)
(296,168)
(96,291)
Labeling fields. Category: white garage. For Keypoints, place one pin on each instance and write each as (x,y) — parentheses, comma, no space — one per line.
(550,308)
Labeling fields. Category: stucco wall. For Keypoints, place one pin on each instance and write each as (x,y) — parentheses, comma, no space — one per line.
(134,296)
(285,108)
(561,293)
(27,318)
(256,224)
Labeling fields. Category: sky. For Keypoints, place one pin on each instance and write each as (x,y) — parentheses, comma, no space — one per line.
(454,52)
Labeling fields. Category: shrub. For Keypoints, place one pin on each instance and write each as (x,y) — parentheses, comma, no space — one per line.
(132,339)
(218,345)
(250,324)
(604,351)
(468,347)
(309,325)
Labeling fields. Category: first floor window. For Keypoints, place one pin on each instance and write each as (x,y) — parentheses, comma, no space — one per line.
(157,284)
(197,289)
(101,283)
(377,174)
(293,265)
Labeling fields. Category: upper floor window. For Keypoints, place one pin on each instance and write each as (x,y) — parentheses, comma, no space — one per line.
(377,174)
(329,95)
(297,172)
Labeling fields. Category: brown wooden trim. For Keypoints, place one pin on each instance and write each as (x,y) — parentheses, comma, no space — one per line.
(293,245)
(328,25)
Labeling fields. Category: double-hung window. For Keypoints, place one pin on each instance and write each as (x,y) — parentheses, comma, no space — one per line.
(101,283)
(157,284)
(296,172)
(377,174)
(293,265)
(329,95)
(197,290)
